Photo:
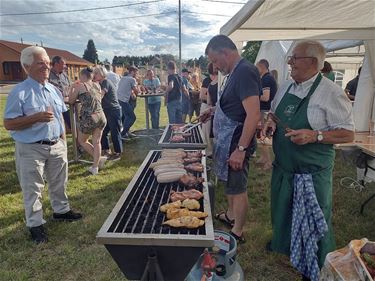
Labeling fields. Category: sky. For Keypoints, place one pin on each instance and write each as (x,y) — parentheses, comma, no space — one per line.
(133,27)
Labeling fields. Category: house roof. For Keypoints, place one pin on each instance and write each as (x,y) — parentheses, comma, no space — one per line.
(68,56)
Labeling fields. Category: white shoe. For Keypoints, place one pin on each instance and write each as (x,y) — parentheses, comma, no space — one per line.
(93,170)
(102,162)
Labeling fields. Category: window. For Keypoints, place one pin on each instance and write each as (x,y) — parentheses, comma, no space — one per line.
(6,68)
(339,76)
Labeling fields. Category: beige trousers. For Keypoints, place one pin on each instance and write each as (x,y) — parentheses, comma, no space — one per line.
(32,162)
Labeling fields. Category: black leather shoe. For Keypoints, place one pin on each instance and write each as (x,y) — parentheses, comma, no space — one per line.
(38,234)
(68,216)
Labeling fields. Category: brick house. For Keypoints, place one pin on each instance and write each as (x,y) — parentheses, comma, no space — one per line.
(10,66)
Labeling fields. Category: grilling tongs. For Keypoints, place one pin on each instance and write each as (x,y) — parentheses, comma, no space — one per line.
(192,127)
(193,121)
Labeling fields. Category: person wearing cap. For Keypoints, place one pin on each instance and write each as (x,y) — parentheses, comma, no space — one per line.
(33,115)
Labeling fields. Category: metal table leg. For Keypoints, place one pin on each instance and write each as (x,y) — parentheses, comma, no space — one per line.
(366,202)
(147,114)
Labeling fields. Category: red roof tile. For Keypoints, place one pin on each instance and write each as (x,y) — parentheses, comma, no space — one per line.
(68,56)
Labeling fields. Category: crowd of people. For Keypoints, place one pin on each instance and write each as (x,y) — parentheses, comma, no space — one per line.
(305,116)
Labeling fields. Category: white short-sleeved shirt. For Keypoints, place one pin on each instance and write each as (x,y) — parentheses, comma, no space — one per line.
(329,108)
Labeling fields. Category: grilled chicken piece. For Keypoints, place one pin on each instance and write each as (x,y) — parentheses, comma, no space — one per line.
(187,221)
(177,138)
(195,167)
(177,213)
(189,160)
(177,127)
(191,204)
(194,154)
(186,194)
(190,181)
(174,205)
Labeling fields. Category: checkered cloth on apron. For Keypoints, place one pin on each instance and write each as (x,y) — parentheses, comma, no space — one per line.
(308,227)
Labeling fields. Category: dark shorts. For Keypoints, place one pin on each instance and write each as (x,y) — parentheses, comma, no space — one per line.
(238,180)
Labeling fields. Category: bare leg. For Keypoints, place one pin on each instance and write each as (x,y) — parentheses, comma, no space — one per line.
(97,147)
(268,158)
(83,140)
(237,209)
(263,155)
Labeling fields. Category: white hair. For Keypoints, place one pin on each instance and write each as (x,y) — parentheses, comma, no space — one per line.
(27,55)
(101,71)
(313,49)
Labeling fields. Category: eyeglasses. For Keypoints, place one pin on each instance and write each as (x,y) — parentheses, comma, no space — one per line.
(293,59)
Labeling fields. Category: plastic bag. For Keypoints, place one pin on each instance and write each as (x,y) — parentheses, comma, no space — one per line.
(344,264)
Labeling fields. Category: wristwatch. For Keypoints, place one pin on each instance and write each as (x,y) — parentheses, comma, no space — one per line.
(320,136)
(241,148)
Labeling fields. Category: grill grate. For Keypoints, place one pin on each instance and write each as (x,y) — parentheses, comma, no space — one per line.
(194,141)
(140,212)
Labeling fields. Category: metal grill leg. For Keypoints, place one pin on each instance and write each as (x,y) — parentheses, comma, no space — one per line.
(152,270)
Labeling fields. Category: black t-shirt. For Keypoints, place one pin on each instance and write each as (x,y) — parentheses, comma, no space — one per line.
(243,83)
(212,91)
(206,82)
(175,93)
(351,87)
(109,99)
(268,82)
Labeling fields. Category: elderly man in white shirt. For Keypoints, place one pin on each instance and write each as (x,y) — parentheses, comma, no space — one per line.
(308,115)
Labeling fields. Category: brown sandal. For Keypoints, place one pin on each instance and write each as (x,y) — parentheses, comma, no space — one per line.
(226,220)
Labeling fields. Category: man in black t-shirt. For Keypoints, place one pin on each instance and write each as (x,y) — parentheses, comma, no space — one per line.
(269,89)
(175,89)
(236,116)
(351,87)
(269,85)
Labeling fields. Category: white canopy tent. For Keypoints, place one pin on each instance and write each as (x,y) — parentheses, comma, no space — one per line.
(261,20)
(344,55)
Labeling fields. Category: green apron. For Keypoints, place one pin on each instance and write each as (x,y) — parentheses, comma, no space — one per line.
(314,158)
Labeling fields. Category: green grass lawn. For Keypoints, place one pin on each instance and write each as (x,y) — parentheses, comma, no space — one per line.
(73,254)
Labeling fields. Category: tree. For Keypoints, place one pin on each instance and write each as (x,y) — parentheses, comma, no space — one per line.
(91,53)
(250,51)
(203,62)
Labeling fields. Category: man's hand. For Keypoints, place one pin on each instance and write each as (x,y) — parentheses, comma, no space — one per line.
(268,129)
(43,116)
(236,160)
(206,115)
(302,136)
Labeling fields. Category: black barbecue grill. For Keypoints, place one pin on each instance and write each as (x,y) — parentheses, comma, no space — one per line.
(195,141)
(134,231)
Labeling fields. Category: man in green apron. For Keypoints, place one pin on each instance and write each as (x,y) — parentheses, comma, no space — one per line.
(311,113)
